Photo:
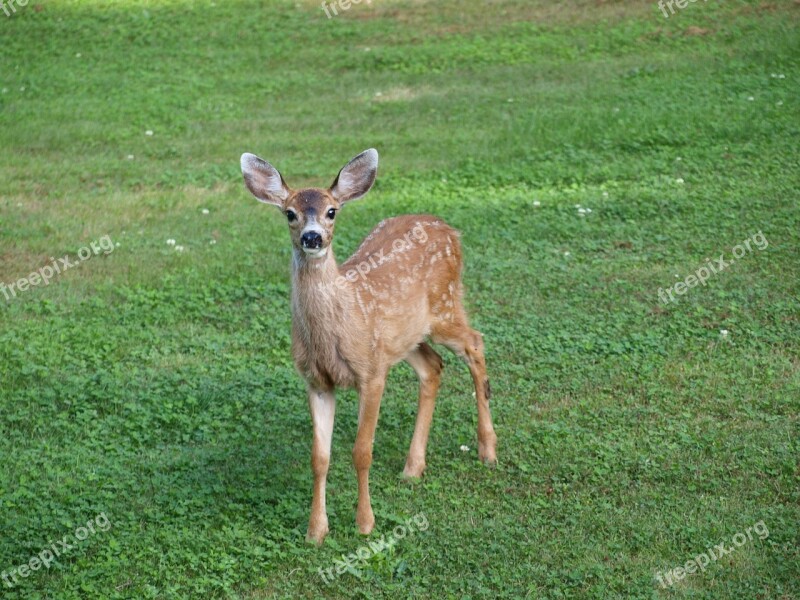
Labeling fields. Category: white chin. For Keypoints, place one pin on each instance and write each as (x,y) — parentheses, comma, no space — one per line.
(315,252)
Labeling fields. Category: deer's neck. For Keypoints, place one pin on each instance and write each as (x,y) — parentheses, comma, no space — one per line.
(324,323)
(320,299)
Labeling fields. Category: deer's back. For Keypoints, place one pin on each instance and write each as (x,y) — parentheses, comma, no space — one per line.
(407,277)
(406,237)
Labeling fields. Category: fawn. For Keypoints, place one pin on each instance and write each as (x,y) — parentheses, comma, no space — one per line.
(352,322)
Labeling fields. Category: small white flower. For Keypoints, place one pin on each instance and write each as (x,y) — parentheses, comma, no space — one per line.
(170,242)
(510,100)
(78,55)
(588,210)
(366,49)
(750,98)
(22,89)
(149,132)
(605,194)
(566,253)
(723,332)
(679,180)
(781,76)
(537,203)
(779,103)
(678,158)
(205,211)
(464,448)
(212,242)
(378,94)
(130,157)
(581,210)
(179,248)
(676,275)
(117,244)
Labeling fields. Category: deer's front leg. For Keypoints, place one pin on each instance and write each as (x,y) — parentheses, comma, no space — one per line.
(322,404)
(368,408)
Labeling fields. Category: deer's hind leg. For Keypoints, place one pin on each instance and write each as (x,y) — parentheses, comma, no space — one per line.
(428,366)
(468,344)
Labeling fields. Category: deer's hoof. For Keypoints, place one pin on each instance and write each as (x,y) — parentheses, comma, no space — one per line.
(365,521)
(487,454)
(413,470)
(316,533)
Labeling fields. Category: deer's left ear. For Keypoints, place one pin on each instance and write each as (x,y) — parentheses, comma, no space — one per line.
(263,180)
(356,177)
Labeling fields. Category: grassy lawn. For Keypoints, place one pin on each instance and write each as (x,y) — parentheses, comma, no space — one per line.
(592,153)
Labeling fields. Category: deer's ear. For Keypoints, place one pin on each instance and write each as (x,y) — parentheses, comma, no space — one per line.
(356,177)
(263,180)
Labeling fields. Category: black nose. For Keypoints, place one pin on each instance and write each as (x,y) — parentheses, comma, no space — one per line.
(311,239)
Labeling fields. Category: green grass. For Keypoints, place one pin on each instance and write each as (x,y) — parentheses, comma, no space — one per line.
(156,386)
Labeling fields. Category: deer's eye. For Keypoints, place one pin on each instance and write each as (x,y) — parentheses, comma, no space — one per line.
(290,215)
(331,213)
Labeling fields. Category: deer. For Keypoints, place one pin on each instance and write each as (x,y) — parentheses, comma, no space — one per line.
(400,290)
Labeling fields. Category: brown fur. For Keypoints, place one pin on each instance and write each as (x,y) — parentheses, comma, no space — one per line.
(352,322)
(337,328)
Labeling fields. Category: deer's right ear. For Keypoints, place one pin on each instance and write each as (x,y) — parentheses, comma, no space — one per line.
(356,177)
(263,180)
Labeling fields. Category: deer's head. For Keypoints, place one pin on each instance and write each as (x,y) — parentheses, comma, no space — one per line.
(310,212)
